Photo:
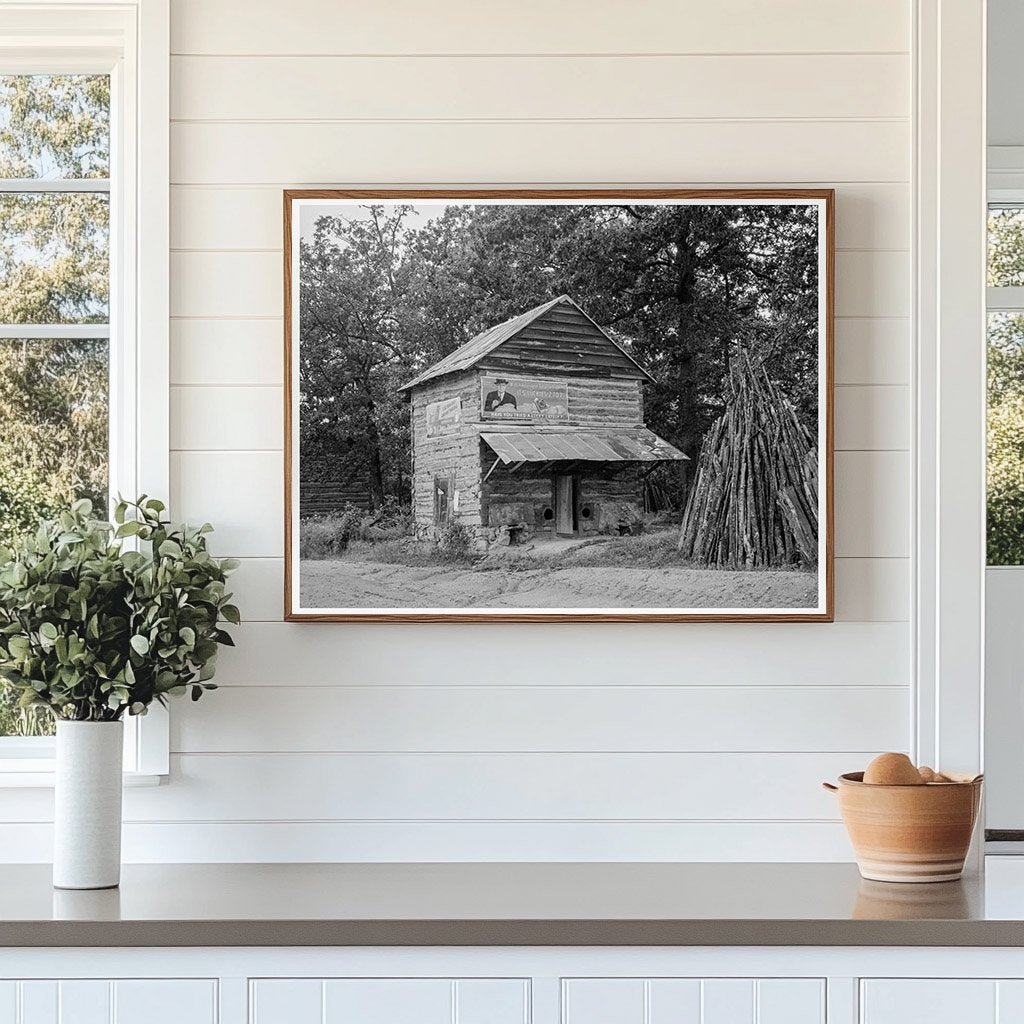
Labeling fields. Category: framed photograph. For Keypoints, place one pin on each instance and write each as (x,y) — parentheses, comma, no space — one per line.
(565,405)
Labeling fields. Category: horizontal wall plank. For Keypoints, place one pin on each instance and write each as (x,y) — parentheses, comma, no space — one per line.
(241,494)
(873,216)
(872,418)
(227,352)
(867,589)
(257,787)
(872,350)
(258,586)
(873,589)
(534,26)
(235,418)
(873,283)
(246,284)
(535,152)
(306,88)
(455,842)
(242,719)
(250,284)
(872,502)
(750,654)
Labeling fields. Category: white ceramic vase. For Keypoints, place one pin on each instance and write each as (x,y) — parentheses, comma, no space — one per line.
(87,811)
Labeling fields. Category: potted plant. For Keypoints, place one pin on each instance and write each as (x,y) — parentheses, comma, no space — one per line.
(99,620)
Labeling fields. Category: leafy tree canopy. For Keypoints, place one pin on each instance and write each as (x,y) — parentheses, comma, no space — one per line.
(387,291)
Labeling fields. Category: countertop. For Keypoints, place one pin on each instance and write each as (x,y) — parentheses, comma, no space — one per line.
(561,904)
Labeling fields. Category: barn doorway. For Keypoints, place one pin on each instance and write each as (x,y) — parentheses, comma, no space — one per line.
(565,504)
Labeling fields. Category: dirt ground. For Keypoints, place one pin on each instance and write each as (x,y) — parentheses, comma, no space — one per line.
(355,584)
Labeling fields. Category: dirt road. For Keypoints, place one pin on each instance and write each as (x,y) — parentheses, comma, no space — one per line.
(345,584)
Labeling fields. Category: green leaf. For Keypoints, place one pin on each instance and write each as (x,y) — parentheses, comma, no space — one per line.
(140,644)
(48,631)
(170,549)
(18,646)
(231,613)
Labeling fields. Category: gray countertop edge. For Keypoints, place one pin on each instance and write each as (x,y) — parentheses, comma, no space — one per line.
(510,933)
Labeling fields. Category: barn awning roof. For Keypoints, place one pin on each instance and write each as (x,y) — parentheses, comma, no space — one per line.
(636,445)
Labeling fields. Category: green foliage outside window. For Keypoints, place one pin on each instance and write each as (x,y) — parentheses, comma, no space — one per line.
(54,269)
(1005,486)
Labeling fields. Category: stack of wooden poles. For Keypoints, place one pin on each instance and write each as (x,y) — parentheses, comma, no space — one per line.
(754,502)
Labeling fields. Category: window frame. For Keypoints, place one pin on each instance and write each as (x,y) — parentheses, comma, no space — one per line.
(130,41)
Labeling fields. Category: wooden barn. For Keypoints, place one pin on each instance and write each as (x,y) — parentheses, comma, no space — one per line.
(533,429)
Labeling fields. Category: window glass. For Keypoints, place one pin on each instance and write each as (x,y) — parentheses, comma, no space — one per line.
(54,274)
(1006,438)
(54,263)
(54,127)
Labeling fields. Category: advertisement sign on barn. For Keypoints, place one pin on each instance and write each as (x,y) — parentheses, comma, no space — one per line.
(444,417)
(515,398)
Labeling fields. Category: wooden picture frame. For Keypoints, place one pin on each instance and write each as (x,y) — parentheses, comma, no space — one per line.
(446,417)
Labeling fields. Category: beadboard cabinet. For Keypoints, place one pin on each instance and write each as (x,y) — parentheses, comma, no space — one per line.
(512,985)
(108,1001)
(945,1001)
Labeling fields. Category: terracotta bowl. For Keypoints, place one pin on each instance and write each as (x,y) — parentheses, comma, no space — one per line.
(909,833)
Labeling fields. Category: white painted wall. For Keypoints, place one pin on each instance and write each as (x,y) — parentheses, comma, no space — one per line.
(688,741)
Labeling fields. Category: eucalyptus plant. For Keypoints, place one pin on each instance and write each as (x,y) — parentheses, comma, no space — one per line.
(98,619)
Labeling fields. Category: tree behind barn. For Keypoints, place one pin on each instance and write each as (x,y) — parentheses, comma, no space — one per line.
(684,288)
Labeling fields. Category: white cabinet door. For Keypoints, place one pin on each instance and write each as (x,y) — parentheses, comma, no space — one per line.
(144,1001)
(388,1001)
(941,1001)
(693,1001)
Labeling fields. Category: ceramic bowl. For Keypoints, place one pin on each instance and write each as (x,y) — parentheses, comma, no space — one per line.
(909,833)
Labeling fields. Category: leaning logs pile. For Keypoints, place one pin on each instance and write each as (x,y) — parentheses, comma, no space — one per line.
(754,502)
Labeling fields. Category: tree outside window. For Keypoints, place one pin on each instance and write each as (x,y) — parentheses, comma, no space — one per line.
(54,306)
(1005,487)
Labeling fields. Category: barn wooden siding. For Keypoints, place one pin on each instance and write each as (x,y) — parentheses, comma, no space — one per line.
(528,484)
(562,342)
(330,497)
(594,401)
(456,454)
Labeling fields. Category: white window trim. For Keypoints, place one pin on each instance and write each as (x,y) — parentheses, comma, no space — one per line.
(131,41)
(949,446)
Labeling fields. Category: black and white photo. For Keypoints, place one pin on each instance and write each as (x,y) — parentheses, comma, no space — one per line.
(563,406)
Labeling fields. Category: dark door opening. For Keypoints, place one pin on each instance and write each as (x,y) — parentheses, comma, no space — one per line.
(565,504)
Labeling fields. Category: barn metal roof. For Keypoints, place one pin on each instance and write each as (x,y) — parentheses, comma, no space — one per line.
(636,445)
(476,348)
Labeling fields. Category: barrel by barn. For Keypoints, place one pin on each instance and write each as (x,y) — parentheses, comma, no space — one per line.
(533,429)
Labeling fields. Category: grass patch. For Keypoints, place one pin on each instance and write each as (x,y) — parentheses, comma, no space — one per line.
(406,552)
(646,551)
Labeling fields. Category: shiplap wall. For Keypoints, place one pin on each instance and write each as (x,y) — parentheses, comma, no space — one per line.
(690,741)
